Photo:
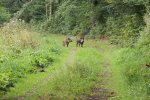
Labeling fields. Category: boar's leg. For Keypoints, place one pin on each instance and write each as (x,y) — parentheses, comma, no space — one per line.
(82,45)
(77,44)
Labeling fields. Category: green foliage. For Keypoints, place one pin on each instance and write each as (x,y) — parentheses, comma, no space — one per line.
(4,15)
(121,21)
(125,22)
(18,54)
(97,31)
(37,12)
(68,17)
(11,70)
(13,5)
(134,71)
(72,80)
(14,66)
(144,41)
(4,81)
(42,58)
(40,62)
(101,12)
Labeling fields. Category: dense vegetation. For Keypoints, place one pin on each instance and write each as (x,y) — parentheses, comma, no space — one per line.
(120,20)
(124,22)
(19,56)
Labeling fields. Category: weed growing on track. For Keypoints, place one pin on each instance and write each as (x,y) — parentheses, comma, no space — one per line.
(75,80)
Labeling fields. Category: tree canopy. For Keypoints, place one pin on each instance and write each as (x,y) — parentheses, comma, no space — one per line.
(122,19)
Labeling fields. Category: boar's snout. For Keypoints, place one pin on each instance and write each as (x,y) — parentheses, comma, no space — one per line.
(66,41)
(69,40)
(82,40)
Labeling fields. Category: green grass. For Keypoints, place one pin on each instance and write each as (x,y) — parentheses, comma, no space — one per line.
(74,80)
(129,79)
(130,75)
(72,72)
(21,61)
(31,81)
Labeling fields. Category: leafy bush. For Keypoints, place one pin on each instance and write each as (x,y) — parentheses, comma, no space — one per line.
(124,30)
(144,41)
(54,50)
(37,12)
(96,31)
(4,81)
(43,58)
(42,61)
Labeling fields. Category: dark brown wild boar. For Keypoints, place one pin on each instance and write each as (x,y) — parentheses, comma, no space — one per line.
(80,41)
(66,41)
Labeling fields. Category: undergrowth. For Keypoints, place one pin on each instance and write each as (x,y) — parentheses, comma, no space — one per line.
(22,54)
(133,83)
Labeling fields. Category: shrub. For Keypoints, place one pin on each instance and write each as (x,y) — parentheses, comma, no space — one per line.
(42,58)
(4,81)
(96,31)
(4,15)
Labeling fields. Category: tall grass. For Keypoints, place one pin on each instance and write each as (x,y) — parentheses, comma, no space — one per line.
(131,75)
(15,34)
(76,79)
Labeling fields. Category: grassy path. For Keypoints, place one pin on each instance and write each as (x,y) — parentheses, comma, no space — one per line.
(60,81)
(104,91)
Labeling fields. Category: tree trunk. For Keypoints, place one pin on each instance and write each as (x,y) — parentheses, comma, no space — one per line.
(50,13)
(46,12)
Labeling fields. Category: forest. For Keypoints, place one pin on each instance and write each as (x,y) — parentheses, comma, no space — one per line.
(115,31)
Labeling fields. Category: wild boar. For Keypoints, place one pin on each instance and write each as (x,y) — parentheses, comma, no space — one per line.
(80,41)
(66,41)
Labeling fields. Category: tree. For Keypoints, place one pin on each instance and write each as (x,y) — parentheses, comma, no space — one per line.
(51,3)
(4,15)
(13,5)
